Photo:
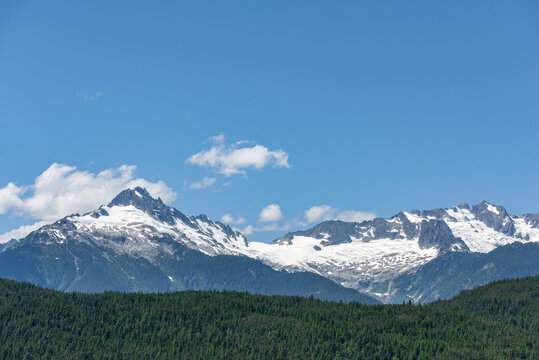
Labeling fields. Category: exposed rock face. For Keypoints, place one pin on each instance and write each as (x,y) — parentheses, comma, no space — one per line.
(495,217)
(436,233)
(137,242)
(532,219)
(361,255)
(432,233)
(448,274)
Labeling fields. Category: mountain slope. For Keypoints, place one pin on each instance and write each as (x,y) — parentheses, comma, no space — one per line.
(360,255)
(513,302)
(41,323)
(447,275)
(136,243)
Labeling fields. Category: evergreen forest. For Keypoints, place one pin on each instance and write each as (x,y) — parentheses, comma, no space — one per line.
(496,321)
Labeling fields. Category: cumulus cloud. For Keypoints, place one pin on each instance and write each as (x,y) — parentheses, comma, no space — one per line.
(270,213)
(235,158)
(9,197)
(325,212)
(22,231)
(319,213)
(274,226)
(62,190)
(248,230)
(229,219)
(280,227)
(355,215)
(203,184)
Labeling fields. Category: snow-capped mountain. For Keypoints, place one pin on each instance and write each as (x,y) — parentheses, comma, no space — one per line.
(137,243)
(452,272)
(132,219)
(358,255)
(135,231)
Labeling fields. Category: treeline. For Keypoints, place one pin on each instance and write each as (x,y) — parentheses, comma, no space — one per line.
(497,321)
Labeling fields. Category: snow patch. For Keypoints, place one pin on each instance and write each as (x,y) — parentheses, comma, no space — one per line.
(493,209)
(481,238)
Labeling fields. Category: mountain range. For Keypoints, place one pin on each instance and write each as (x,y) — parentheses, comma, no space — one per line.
(138,243)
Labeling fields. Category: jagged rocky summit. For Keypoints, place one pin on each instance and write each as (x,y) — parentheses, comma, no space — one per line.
(137,242)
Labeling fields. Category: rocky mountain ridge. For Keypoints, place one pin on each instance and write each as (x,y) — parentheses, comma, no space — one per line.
(138,228)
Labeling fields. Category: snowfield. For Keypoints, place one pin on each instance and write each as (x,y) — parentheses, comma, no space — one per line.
(355,255)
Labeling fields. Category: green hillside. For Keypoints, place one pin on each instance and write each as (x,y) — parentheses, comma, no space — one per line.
(495,321)
(514,302)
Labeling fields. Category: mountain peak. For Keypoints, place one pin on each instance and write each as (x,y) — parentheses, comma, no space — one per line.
(464,205)
(494,216)
(133,197)
(485,206)
(142,200)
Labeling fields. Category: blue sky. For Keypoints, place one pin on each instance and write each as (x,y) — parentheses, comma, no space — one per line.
(378,106)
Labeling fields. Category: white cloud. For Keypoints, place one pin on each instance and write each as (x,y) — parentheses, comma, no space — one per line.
(270,213)
(326,212)
(248,230)
(62,190)
(272,227)
(355,215)
(235,159)
(229,219)
(9,197)
(22,231)
(205,183)
(319,213)
(269,227)
(93,97)
(276,227)
(218,139)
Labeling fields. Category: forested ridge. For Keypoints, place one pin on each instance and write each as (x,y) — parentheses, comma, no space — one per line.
(496,321)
